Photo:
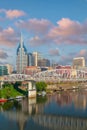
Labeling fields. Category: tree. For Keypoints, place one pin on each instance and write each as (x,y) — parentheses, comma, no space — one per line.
(41,86)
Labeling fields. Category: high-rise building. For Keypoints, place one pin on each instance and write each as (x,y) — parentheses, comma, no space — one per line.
(44,63)
(78,62)
(36,57)
(30,59)
(9,68)
(22,57)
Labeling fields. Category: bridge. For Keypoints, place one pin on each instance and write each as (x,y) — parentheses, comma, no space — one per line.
(54,75)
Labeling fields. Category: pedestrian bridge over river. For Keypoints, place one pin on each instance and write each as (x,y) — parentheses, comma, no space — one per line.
(54,75)
(48,121)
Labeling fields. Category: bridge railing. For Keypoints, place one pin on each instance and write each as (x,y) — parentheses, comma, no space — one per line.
(53,75)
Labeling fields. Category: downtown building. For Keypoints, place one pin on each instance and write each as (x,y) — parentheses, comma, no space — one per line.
(26,61)
(78,62)
(9,68)
(44,63)
(39,61)
(21,57)
(3,70)
(36,57)
(30,59)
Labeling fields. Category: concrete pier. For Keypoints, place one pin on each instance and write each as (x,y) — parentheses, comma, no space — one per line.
(31,84)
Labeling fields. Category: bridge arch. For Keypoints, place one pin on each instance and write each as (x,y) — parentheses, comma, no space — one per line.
(16,77)
(61,74)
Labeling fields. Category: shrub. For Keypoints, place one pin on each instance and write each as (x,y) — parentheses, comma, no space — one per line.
(41,86)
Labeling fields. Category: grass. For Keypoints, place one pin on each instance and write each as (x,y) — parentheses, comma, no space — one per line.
(8,92)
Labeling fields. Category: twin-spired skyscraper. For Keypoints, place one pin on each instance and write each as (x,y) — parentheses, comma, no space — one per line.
(22,57)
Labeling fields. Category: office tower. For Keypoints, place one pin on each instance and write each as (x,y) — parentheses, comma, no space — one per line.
(36,56)
(30,59)
(79,62)
(9,68)
(22,57)
(44,63)
(3,70)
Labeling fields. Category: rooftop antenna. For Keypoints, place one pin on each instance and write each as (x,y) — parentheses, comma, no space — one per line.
(21,40)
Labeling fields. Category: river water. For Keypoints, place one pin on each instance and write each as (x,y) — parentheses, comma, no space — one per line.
(64,111)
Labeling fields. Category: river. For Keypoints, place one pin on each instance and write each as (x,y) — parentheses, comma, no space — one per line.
(63,111)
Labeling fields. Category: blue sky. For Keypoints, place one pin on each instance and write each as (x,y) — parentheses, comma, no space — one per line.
(56,28)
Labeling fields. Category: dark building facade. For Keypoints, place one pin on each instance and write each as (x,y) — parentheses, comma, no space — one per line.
(44,63)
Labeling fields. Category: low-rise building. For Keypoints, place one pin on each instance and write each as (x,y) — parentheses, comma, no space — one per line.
(78,62)
(31,70)
(3,70)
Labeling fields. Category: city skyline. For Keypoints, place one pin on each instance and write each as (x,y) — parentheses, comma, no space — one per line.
(55,28)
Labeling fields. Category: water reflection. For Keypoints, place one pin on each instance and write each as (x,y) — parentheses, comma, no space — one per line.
(67,110)
(79,99)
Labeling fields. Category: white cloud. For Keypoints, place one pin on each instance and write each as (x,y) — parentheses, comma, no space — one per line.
(3,55)
(36,26)
(11,14)
(8,37)
(54,52)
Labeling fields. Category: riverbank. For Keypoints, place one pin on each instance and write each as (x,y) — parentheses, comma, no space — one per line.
(9,92)
(65,86)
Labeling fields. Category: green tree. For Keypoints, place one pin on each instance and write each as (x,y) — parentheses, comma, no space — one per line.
(41,86)
(8,91)
(0,93)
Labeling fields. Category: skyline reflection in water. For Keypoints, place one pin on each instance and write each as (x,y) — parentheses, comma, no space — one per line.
(67,110)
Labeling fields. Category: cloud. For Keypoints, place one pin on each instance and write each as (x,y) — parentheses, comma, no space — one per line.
(37,41)
(3,55)
(54,52)
(8,37)
(36,26)
(2,19)
(66,27)
(0,29)
(82,53)
(66,31)
(11,14)
(67,59)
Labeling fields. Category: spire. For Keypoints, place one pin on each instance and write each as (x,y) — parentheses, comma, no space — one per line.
(21,41)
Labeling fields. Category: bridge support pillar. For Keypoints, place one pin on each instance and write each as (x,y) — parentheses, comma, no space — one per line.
(31,88)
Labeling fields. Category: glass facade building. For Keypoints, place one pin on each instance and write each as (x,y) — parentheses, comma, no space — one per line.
(22,57)
(30,59)
(3,70)
(44,63)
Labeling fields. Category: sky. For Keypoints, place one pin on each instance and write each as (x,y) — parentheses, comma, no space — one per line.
(55,28)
